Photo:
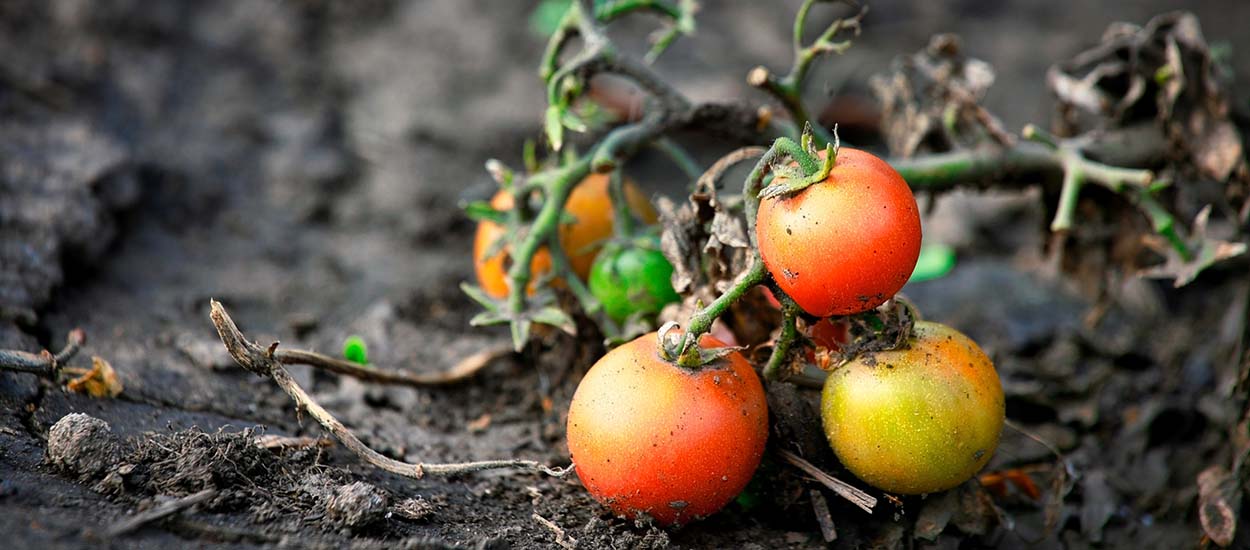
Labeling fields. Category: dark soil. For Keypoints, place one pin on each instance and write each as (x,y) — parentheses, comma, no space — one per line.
(302,163)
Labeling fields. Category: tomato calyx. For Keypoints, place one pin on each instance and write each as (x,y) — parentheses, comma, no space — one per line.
(808,172)
(682,350)
(884,328)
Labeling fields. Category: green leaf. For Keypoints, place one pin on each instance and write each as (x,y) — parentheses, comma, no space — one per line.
(478,295)
(554,127)
(520,333)
(482,211)
(556,318)
(488,318)
(936,260)
(355,350)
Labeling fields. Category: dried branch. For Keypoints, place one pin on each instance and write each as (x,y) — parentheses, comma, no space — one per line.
(863,500)
(160,512)
(463,369)
(264,362)
(45,363)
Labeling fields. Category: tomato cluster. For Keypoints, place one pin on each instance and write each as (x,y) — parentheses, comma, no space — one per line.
(655,434)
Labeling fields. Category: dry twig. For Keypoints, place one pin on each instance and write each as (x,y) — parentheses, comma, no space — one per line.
(466,368)
(265,362)
(162,511)
(563,539)
(865,501)
(44,363)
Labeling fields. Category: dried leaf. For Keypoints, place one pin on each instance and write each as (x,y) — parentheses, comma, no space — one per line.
(100,381)
(931,98)
(936,514)
(1219,501)
(1188,94)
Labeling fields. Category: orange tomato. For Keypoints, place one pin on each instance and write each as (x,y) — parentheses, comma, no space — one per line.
(591,206)
(846,244)
(674,444)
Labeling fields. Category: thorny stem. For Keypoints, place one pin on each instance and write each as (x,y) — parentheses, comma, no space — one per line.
(44,364)
(263,362)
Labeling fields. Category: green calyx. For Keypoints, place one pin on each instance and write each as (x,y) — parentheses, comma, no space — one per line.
(812,169)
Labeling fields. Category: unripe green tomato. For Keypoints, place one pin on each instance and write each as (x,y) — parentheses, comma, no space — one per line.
(919,419)
(632,279)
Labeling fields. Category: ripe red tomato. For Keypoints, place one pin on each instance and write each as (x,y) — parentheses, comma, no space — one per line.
(675,444)
(846,244)
(919,419)
(591,207)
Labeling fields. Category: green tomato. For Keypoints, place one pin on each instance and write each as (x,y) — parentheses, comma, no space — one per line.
(632,280)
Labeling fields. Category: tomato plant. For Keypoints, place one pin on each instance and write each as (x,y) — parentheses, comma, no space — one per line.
(846,244)
(632,279)
(673,443)
(591,219)
(917,419)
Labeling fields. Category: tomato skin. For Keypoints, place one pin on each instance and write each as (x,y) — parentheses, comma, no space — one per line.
(630,280)
(916,420)
(591,205)
(675,444)
(844,245)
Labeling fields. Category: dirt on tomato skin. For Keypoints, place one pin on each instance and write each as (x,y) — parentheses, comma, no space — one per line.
(302,161)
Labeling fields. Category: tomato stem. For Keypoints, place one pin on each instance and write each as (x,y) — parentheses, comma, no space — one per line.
(789,333)
(701,322)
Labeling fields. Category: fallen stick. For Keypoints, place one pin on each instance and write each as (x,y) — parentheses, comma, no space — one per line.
(264,362)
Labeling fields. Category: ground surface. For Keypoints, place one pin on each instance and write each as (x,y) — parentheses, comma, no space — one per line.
(301,162)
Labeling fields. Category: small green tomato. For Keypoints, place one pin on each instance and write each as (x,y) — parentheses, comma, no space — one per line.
(629,280)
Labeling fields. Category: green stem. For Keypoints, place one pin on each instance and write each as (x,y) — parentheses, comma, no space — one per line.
(701,322)
(560,263)
(789,332)
(623,218)
(1069,194)
(680,157)
(611,10)
(558,188)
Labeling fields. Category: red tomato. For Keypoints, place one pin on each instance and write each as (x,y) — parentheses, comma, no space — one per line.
(675,444)
(844,245)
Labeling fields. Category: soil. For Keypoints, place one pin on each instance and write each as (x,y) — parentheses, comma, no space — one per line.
(302,162)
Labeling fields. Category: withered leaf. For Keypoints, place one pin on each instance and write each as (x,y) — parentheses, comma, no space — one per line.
(100,381)
(1166,62)
(1219,501)
(931,98)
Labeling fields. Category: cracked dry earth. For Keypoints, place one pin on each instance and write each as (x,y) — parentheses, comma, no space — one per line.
(301,162)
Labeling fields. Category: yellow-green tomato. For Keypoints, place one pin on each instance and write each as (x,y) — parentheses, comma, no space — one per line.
(918,419)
